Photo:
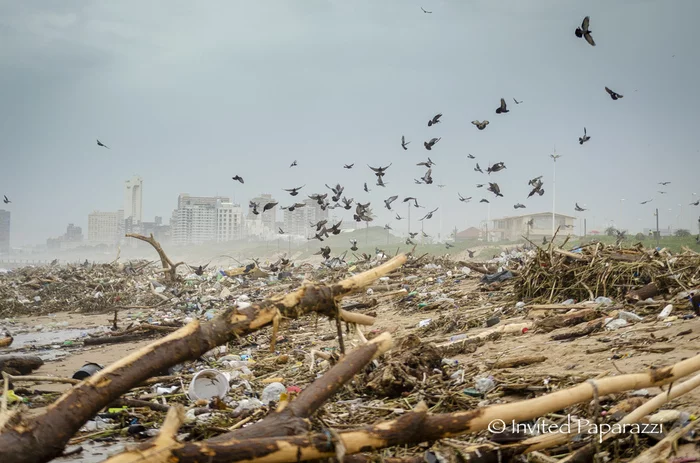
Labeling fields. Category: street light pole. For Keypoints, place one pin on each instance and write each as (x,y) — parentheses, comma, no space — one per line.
(554,157)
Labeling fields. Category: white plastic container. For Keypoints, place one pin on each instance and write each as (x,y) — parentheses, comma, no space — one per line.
(208,384)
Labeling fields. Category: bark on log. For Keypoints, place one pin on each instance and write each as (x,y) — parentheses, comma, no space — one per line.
(62,419)
(411,428)
(519,361)
(19,364)
(643,293)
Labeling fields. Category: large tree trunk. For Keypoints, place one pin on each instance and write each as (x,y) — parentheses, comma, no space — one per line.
(43,437)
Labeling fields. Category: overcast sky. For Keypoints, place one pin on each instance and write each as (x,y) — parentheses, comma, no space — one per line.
(188,94)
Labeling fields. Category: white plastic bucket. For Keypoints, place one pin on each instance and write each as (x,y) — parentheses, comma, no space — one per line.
(208,384)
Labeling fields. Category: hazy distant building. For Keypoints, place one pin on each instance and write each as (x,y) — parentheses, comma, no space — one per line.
(268,218)
(72,238)
(300,220)
(133,199)
(471,233)
(514,228)
(105,227)
(4,231)
(200,219)
(229,221)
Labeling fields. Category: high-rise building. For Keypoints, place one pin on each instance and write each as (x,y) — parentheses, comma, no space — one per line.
(300,220)
(268,217)
(199,219)
(133,199)
(105,227)
(4,231)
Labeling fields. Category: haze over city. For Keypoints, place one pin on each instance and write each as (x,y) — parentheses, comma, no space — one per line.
(188,95)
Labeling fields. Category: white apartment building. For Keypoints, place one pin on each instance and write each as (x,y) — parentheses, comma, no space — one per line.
(229,221)
(201,219)
(105,227)
(133,199)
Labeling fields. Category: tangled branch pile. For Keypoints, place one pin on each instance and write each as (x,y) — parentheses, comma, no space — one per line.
(599,270)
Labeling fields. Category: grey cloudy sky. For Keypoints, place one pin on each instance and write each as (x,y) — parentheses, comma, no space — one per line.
(188,94)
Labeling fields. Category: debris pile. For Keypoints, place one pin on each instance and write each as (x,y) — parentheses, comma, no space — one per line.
(412,358)
(609,271)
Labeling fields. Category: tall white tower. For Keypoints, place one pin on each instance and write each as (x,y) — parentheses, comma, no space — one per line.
(133,199)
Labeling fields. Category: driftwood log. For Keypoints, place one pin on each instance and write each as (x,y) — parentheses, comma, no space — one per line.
(410,429)
(166,264)
(43,437)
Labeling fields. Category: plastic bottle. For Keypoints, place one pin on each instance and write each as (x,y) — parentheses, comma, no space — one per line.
(457,337)
(666,312)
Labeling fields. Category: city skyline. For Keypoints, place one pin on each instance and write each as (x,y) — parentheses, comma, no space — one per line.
(171,113)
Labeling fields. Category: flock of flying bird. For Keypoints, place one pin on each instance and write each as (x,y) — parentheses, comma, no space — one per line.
(363,212)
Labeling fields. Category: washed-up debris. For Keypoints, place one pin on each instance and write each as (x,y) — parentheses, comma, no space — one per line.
(482,349)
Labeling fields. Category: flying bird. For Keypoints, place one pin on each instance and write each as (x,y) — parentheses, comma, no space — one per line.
(99,143)
(365,188)
(481,125)
(495,189)
(478,169)
(463,199)
(584,139)
(319,198)
(519,206)
(404,143)
(429,144)
(696,203)
(335,228)
(429,215)
(338,190)
(348,166)
(391,199)
(424,234)
(380,181)
(435,120)
(294,206)
(411,198)
(647,201)
(537,188)
(5,200)
(255,207)
(449,245)
(281,232)
(534,181)
(347,203)
(295,191)
(413,235)
(409,242)
(379,171)
(387,227)
(417,182)
(429,12)
(479,185)
(484,201)
(471,253)
(354,245)
(517,102)
(496,167)
(578,208)
(324,252)
(427,178)
(664,183)
(294,164)
(238,178)
(613,95)
(584,32)
(269,206)
(429,163)
(503,108)
(470,156)
(662,192)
